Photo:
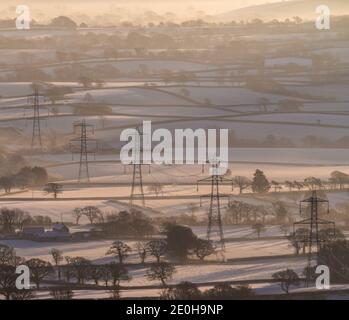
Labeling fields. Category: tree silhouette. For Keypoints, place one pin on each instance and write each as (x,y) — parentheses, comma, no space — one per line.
(260,183)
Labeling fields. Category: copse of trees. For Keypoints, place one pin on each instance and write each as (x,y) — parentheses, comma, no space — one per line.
(335,255)
(63,22)
(27,176)
(39,269)
(180,240)
(327,237)
(92,213)
(128,224)
(190,291)
(242,212)
(8,263)
(12,219)
(56,93)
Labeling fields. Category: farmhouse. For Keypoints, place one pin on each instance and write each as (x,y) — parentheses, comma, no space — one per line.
(59,231)
(32,232)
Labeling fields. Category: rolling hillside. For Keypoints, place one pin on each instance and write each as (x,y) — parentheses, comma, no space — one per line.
(285,9)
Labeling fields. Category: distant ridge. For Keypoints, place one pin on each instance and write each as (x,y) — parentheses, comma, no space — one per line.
(285,9)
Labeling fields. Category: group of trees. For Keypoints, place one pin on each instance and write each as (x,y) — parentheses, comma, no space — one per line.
(128,224)
(190,291)
(9,261)
(180,243)
(299,238)
(239,212)
(12,219)
(335,255)
(26,177)
(92,213)
(242,212)
(110,275)
(260,183)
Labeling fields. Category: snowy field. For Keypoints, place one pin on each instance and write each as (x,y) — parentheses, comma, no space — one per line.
(218,95)
(96,250)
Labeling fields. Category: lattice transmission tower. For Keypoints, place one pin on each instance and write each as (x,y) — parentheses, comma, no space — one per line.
(137,191)
(83,145)
(311,228)
(214,214)
(34,108)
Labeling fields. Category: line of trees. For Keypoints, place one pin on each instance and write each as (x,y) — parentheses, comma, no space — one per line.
(260,184)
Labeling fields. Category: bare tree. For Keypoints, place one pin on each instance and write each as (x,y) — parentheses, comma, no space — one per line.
(156,188)
(157,248)
(77,214)
(53,188)
(7,280)
(287,278)
(105,274)
(13,218)
(193,208)
(276,185)
(57,257)
(92,213)
(204,248)
(264,102)
(39,270)
(118,273)
(142,250)
(242,183)
(289,184)
(80,267)
(119,249)
(162,271)
(61,294)
(96,273)
(299,186)
(313,183)
(8,262)
(259,228)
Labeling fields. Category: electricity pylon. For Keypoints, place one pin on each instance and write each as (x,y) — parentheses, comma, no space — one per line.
(137,178)
(83,145)
(312,238)
(214,213)
(34,107)
(36,132)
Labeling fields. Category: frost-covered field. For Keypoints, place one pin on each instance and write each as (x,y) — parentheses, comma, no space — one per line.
(96,250)
(199,89)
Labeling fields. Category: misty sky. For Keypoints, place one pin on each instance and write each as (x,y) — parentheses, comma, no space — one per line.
(98,6)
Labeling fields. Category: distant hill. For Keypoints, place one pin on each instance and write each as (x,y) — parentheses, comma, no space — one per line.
(285,9)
